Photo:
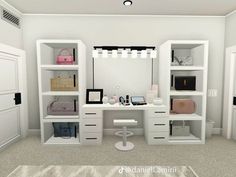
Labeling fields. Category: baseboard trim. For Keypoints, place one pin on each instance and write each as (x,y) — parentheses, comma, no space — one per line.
(136,131)
(217,131)
(35,132)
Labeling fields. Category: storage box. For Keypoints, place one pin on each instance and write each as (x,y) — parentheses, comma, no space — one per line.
(64,84)
(180,128)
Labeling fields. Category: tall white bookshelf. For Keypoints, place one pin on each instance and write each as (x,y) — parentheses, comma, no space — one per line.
(198,50)
(47,51)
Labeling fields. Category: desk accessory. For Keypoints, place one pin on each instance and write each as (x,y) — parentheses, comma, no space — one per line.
(138,100)
(112,101)
(64,84)
(66,59)
(183,106)
(150,96)
(105,99)
(185,82)
(157,101)
(123,101)
(127,99)
(94,96)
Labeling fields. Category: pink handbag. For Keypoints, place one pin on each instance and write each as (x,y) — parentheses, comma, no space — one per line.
(65,59)
(183,106)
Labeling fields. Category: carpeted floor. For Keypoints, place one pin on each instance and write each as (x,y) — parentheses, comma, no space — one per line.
(217,158)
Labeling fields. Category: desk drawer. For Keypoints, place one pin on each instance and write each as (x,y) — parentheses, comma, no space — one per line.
(92,113)
(155,125)
(157,113)
(158,138)
(91,138)
(92,125)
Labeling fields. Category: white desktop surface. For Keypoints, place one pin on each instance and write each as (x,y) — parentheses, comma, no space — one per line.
(118,106)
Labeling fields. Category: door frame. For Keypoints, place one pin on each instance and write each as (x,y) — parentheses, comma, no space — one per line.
(22,77)
(230,63)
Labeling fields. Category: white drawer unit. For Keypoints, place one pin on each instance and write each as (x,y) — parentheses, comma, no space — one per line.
(92,125)
(158,138)
(155,125)
(157,113)
(91,138)
(92,113)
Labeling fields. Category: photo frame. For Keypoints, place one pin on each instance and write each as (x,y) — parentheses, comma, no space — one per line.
(94,96)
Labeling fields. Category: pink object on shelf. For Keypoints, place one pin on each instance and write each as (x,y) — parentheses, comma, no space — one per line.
(183,106)
(65,59)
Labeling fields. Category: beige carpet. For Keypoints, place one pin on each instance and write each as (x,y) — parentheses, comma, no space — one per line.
(217,158)
(102,171)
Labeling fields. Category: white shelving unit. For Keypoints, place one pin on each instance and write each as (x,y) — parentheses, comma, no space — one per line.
(47,51)
(198,51)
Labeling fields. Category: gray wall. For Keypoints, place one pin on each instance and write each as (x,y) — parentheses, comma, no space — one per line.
(126,30)
(230,30)
(10,34)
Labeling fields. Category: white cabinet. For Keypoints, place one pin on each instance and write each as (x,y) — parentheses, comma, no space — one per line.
(193,55)
(47,52)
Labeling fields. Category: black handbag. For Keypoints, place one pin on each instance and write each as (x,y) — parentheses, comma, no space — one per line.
(185,82)
(65,130)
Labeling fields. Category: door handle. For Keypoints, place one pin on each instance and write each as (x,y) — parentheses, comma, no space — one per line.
(17,98)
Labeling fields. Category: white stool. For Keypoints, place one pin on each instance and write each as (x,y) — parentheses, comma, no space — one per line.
(124,123)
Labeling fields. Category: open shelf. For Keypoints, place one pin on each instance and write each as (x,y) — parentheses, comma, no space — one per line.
(185,117)
(185,93)
(190,137)
(60,67)
(186,68)
(62,117)
(58,140)
(61,93)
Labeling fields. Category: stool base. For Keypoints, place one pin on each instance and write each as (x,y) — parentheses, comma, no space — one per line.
(129,146)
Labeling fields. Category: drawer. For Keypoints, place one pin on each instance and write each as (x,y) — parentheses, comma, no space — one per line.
(91,138)
(92,125)
(158,138)
(155,125)
(157,113)
(92,113)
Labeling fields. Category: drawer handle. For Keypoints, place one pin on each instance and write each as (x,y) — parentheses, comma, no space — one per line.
(90,125)
(158,137)
(160,112)
(91,138)
(159,124)
(90,113)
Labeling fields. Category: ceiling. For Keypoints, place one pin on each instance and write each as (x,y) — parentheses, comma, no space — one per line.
(139,7)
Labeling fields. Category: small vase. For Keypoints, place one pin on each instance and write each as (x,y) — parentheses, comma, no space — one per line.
(105,99)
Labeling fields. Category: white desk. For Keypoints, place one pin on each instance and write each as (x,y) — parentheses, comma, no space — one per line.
(156,123)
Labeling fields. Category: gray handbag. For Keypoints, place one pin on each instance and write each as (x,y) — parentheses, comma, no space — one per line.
(63,108)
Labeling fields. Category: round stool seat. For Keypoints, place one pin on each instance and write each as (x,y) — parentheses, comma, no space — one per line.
(129,146)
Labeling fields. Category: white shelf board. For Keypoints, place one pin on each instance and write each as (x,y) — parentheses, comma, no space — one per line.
(60,67)
(62,117)
(65,141)
(61,120)
(185,93)
(185,117)
(61,93)
(186,68)
(184,139)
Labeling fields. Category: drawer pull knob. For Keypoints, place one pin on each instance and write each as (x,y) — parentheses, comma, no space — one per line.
(90,113)
(90,125)
(159,124)
(159,137)
(160,112)
(91,138)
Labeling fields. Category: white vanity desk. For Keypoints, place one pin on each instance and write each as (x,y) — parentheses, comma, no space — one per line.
(156,123)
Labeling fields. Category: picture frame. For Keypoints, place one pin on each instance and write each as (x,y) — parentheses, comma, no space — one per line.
(94,96)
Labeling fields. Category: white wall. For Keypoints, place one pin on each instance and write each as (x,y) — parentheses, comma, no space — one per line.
(10,34)
(230,30)
(126,30)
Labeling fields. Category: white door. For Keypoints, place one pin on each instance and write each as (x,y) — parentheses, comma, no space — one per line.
(10,98)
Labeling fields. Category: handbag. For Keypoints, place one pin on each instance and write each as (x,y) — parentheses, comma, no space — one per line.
(65,130)
(64,84)
(183,106)
(63,108)
(67,59)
